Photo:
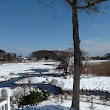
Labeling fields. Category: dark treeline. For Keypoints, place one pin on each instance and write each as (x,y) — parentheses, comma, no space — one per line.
(57,55)
(5,56)
(104,57)
(46,54)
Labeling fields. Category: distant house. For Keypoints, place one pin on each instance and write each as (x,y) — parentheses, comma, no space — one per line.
(22,59)
(33,59)
(1,59)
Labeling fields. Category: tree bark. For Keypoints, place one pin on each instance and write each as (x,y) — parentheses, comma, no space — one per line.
(77,57)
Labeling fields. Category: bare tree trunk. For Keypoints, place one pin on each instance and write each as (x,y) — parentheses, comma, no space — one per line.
(77,56)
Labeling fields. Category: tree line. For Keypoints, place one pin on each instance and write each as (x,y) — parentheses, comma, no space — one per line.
(104,57)
(44,54)
(50,54)
(57,55)
(6,56)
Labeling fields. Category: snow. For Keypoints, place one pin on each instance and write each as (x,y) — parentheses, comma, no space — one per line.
(96,83)
(14,68)
(32,79)
(89,82)
(54,104)
(95,61)
(5,69)
(86,83)
(47,107)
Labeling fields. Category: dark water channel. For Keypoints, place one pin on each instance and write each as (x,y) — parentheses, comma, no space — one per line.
(10,82)
(92,92)
(96,93)
(51,88)
(40,73)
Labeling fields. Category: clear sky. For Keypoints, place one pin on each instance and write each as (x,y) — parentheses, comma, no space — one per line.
(26,26)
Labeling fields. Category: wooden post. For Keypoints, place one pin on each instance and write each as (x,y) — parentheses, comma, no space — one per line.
(91,103)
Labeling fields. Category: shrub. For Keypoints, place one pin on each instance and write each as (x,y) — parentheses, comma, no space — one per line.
(34,97)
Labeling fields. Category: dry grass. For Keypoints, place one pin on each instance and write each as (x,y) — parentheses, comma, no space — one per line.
(8,62)
(102,69)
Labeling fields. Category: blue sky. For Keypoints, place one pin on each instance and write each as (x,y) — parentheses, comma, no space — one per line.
(26,26)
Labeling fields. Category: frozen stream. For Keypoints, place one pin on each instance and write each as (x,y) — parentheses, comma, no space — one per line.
(51,88)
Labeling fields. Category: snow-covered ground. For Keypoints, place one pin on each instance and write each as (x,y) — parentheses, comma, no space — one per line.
(14,68)
(10,70)
(89,82)
(54,104)
(95,61)
(5,69)
(94,83)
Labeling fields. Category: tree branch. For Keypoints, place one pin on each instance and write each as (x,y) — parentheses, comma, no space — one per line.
(90,4)
(45,3)
(50,3)
(69,2)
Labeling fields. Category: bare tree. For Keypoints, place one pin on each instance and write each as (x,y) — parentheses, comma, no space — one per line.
(64,58)
(76,5)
